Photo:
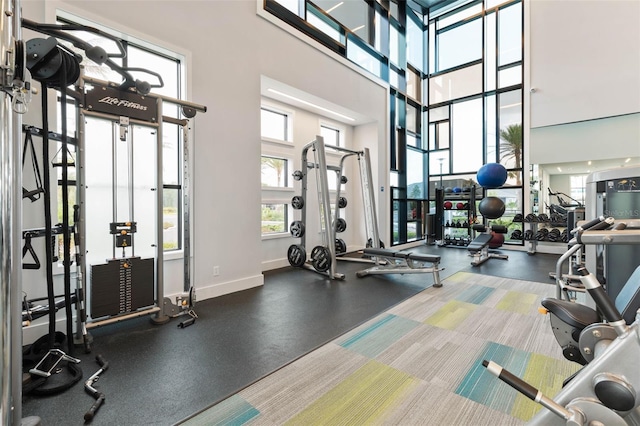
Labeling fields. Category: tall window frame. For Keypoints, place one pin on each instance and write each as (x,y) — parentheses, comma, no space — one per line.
(277,164)
(143,53)
(492,79)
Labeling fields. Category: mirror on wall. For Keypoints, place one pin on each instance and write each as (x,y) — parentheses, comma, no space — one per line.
(564,183)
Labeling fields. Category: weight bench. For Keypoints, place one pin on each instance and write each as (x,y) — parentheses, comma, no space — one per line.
(479,247)
(398,262)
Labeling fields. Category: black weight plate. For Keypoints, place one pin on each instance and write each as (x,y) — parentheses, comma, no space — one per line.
(297,202)
(296,255)
(322,259)
(315,252)
(341,246)
(342,202)
(341,225)
(343,179)
(297,175)
(296,228)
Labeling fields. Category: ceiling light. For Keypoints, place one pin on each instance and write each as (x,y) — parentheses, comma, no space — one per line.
(334,7)
(559,169)
(589,162)
(627,160)
(311,105)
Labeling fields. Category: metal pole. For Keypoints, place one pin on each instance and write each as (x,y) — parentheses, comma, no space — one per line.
(161,317)
(131,186)
(192,105)
(186,196)
(7,251)
(329,227)
(81,308)
(368,194)
(10,229)
(114,182)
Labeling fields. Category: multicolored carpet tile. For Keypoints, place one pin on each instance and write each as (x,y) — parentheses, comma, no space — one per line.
(418,363)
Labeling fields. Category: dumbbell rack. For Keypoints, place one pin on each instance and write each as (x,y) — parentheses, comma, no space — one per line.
(534,227)
(323,257)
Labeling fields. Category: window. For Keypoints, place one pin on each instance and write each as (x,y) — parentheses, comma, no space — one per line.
(292,5)
(359,53)
(276,169)
(331,136)
(467,136)
(578,185)
(274,124)
(169,65)
(325,24)
(274,218)
(415,174)
(415,37)
(449,42)
(274,172)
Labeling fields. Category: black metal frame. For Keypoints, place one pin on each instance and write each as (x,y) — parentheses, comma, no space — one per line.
(398,146)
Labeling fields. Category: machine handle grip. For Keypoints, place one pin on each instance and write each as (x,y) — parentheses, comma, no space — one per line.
(529,391)
(88,416)
(588,225)
(603,301)
(187,323)
(512,380)
(102,363)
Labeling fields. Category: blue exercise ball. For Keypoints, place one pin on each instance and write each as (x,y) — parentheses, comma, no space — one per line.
(491,207)
(492,175)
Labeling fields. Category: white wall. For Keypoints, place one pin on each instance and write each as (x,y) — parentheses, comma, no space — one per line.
(585,60)
(230,47)
(560,183)
(584,75)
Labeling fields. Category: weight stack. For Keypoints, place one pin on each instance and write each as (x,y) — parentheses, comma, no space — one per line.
(122,286)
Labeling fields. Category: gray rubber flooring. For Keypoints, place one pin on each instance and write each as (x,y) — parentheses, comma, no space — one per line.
(162,374)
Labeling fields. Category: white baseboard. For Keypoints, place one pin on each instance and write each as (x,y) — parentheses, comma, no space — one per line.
(41,326)
(275,264)
(204,292)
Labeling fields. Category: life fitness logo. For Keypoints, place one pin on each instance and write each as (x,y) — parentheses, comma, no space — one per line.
(110,100)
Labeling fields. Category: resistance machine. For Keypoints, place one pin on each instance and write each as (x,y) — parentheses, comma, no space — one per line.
(613,193)
(323,256)
(125,197)
(605,390)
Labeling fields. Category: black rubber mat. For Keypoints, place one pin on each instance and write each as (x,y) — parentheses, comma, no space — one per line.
(161,374)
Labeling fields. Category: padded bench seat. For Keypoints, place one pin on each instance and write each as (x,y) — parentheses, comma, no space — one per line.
(402,262)
(479,242)
(401,255)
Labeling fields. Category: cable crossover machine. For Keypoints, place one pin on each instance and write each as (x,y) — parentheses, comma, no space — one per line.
(117,218)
